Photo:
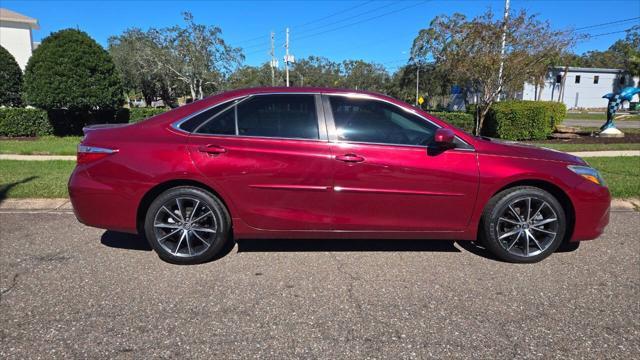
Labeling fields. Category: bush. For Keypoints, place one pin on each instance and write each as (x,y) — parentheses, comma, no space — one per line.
(556,111)
(24,122)
(460,119)
(10,79)
(138,114)
(521,120)
(69,70)
(70,122)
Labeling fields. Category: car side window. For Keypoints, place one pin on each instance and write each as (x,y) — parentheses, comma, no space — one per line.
(223,123)
(195,123)
(372,121)
(285,116)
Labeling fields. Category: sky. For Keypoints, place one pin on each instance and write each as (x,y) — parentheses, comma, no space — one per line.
(379,31)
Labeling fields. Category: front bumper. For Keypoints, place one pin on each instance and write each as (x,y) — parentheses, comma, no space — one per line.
(592,204)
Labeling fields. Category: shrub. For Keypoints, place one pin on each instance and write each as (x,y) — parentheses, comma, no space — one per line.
(69,70)
(556,111)
(24,122)
(460,119)
(520,120)
(71,121)
(138,114)
(10,79)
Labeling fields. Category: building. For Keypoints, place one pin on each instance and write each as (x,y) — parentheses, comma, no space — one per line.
(581,88)
(16,35)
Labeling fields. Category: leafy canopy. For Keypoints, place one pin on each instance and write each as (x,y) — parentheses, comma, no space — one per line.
(10,79)
(69,70)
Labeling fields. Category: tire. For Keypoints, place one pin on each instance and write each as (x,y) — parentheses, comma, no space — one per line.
(523,224)
(187,225)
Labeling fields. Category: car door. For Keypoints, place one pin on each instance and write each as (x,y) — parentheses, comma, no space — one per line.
(387,178)
(270,155)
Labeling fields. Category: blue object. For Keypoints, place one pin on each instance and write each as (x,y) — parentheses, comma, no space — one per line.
(614,103)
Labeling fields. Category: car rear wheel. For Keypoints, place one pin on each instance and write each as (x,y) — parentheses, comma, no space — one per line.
(187,225)
(523,224)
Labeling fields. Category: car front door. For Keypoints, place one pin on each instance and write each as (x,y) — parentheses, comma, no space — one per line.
(387,179)
(270,155)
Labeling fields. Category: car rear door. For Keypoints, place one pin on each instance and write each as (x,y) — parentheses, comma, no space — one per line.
(387,179)
(270,155)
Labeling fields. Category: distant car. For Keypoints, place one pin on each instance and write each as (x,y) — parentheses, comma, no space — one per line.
(325,163)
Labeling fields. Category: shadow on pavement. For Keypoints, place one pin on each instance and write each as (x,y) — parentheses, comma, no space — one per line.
(121,240)
(297,245)
(4,188)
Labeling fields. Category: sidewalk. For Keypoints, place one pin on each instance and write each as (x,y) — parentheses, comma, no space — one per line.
(63,204)
(608,153)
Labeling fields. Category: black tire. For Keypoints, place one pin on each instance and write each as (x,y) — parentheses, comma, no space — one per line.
(498,221)
(215,228)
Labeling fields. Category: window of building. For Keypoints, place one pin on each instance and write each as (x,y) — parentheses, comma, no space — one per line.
(558,78)
(596,78)
(577,79)
(364,120)
(623,80)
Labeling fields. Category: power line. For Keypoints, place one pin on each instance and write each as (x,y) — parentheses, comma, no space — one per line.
(609,33)
(607,23)
(332,15)
(348,18)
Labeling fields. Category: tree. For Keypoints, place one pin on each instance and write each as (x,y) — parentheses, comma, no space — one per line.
(469,52)
(132,52)
(253,76)
(195,55)
(361,75)
(69,70)
(10,79)
(316,71)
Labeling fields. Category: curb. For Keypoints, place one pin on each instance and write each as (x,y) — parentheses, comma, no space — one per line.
(37,157)
(63,204)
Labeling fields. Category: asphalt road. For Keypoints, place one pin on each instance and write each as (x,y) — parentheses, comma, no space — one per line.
(69,291)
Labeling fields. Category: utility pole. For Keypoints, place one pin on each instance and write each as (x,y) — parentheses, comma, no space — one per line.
(286,57)
(417,82)
(274,62)
(504,41)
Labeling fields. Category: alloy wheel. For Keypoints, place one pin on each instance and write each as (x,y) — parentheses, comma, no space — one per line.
(185,226)
(527,226)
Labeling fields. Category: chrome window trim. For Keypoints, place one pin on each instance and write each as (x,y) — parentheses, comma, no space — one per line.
(327,118)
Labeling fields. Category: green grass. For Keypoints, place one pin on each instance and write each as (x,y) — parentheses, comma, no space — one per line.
(45,145)
(34,179)
(589,147)
(600,117)
(622,174)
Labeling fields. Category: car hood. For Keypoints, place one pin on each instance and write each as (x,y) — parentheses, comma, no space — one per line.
(517,149)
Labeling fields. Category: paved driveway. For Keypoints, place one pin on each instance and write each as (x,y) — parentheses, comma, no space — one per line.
(74,291)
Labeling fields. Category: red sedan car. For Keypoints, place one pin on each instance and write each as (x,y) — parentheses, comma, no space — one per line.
(326,163)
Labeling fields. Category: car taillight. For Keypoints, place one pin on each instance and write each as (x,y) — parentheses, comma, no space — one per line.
(87,154)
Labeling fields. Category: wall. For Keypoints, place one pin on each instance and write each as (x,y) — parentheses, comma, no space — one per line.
(16,38)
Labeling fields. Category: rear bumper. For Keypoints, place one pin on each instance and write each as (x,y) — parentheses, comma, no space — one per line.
(592,205)
(101,205)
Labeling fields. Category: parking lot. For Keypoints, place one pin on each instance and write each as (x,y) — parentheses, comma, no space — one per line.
(73,291)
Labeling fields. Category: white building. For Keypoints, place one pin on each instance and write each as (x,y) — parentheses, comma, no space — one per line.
(15,35)
(581,88)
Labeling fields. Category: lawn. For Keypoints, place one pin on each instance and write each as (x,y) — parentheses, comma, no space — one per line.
(622,174)
(600,116)
(34,179)
(589,147)
(48,179)
(45,145)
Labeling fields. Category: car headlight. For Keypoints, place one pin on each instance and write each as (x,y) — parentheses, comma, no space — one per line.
(588,173)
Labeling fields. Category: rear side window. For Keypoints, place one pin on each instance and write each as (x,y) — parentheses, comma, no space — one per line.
(364,120)
(285,116)
(194,122)
(223,123)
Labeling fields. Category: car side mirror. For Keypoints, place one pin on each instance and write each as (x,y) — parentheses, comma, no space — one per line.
(444,138)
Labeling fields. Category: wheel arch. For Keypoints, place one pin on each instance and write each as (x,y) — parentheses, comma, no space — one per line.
(556,191)
(158,189)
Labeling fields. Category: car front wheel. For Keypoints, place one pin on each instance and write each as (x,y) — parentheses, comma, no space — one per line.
(523,224)
(187,225)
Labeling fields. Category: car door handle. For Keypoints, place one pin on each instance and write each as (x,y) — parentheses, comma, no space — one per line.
(353,158)
(212,149)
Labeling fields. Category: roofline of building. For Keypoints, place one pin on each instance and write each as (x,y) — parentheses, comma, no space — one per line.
(12,16)
(586,69)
